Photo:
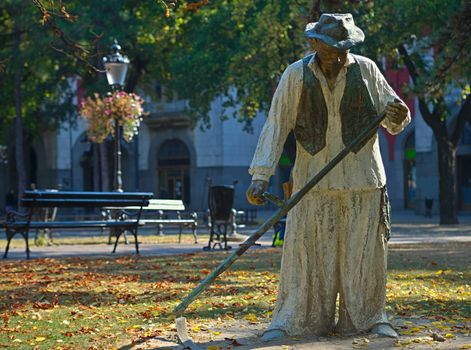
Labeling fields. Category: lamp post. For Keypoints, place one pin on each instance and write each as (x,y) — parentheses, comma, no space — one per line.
(116,66)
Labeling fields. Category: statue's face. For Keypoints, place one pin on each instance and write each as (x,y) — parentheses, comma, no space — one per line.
(327,54)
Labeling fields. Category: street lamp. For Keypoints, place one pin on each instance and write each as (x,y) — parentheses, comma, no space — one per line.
(116,66)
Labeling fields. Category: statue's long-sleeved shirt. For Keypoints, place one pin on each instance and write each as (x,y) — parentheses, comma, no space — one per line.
(360,170)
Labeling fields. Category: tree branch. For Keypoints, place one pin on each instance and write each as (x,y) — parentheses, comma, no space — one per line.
(464,115)
(409,64)
(457,31)
(430,118)
(49,17)
(315,11)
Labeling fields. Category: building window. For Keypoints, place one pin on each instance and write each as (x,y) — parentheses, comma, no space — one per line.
(174,171)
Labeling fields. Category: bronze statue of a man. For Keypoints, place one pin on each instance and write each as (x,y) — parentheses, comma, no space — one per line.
(336,237)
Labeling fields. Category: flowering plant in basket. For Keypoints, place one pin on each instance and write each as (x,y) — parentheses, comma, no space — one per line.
(103,112)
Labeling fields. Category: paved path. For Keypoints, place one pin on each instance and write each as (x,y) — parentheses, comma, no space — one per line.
(407,229)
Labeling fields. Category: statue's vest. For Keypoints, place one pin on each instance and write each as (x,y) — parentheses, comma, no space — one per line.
(356,110)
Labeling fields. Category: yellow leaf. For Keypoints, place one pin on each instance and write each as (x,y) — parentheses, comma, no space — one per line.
(465,346)
(214,347)
(40,339)
(216,333)
(251,318)
(442,327)
(449,335)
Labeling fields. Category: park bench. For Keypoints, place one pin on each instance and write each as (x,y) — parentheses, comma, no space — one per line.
(167,212)
(22,222)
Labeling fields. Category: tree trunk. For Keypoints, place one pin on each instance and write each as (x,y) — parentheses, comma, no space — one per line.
(104,165)
(448,179)
(446,144)
(19,146)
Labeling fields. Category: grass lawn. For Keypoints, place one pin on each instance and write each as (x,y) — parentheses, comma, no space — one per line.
(111,303)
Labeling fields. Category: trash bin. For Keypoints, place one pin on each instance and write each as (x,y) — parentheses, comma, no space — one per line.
(220,202)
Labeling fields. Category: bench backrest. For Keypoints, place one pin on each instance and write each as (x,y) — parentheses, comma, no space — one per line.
(160,204)
(84,199)
(166,204)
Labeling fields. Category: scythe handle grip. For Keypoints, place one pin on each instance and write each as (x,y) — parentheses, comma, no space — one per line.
(274,199)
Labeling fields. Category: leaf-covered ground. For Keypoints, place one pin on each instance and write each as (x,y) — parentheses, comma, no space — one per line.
(115,303)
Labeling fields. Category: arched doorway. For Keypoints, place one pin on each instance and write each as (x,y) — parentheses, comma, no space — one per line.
(410,175)
(173,169)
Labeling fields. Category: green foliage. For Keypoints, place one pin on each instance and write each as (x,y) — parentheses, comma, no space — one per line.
(236,50)
(141,29)
(44,72)
(436,27)
(54,49)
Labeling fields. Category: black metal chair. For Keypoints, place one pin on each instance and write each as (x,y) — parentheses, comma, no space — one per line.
(220,202)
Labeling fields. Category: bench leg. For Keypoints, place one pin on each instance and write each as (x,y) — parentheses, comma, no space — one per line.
(25,235)
(36,237)
(193,229)
(118,234)
(160,227)
(180,233)
(50,237)
(135,241)
(160,230)
(9,237)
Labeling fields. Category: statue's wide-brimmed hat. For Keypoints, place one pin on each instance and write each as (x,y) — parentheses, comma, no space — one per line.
(337,30)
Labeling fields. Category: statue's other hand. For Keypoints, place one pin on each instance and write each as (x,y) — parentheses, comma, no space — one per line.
(396,112)
(255,191)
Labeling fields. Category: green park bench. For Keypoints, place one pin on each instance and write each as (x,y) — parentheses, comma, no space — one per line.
(161,212)
(22,222)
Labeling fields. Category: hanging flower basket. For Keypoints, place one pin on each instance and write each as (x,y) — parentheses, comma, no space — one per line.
(102,113)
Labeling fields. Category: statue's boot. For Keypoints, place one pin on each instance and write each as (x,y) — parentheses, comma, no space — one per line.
(384,330)
(273,334)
